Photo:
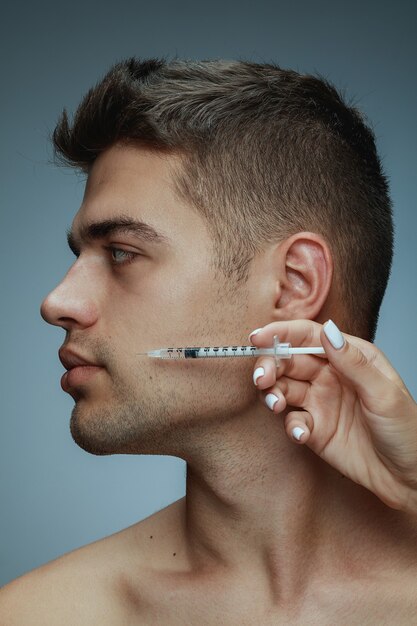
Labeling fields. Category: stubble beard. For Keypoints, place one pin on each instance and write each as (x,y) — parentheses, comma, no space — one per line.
(122,425)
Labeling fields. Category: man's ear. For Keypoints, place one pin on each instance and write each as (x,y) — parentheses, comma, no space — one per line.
(305,266)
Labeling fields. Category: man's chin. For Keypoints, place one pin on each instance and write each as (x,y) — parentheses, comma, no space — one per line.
(87,430)
(124,424)
(104,426)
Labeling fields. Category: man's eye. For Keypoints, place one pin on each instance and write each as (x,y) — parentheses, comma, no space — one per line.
(121,257)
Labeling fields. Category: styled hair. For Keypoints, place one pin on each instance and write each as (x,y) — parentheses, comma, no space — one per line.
(265,153)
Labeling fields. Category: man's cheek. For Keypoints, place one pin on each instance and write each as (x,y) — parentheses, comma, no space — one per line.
(222,385)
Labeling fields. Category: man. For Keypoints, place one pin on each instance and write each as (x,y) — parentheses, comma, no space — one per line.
(221,196)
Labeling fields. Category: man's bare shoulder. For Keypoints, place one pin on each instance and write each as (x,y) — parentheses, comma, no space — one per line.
(83,586)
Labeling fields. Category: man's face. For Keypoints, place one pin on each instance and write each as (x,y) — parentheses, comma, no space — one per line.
(128,293)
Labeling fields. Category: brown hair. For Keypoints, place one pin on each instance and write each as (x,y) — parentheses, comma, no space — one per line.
(266,153)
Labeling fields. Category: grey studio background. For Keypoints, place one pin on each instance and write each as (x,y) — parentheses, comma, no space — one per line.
(54,497)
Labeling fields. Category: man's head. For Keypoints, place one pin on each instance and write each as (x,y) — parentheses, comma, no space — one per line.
(265,153)
(270,203)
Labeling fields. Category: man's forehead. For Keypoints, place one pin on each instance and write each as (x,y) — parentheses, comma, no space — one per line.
(133,187)
(133,181)
(121,161)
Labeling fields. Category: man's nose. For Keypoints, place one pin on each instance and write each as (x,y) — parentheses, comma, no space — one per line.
(71,304)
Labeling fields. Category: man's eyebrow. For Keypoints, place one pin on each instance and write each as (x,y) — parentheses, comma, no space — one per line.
(120,225)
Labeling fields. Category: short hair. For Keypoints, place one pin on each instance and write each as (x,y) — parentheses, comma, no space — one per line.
(265,153)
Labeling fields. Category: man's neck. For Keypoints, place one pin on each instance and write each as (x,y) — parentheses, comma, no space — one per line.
(257,501)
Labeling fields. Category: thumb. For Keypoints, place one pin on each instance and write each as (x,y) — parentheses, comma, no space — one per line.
(350,361)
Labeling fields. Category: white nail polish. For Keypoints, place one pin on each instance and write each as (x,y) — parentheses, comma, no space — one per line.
(270,400)
(254,332)
(257,374)
(297,432)
(334,335)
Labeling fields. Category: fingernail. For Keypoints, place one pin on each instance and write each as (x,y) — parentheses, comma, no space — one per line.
(271,400)
(297,432)
(254,332)
(257,374)
(334,335)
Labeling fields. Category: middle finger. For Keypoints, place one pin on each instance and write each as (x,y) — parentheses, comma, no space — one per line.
(304,367)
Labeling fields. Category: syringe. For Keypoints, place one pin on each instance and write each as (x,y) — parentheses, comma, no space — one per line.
(279,351)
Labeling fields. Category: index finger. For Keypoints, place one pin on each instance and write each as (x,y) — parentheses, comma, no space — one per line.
(299,333)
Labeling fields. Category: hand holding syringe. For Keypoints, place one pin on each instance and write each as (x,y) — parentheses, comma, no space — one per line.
(279,351)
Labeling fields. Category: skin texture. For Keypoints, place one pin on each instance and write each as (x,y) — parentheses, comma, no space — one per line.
(268,532)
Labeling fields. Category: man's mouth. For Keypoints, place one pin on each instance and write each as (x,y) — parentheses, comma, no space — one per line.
(79,369)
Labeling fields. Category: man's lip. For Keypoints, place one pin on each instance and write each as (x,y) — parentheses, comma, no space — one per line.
(70,359)
(79,375)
